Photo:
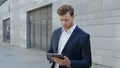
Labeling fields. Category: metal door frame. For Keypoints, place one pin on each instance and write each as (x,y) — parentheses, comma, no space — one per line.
(29,28)
(6,36)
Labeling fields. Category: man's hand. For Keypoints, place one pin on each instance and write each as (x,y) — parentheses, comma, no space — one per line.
(62,62)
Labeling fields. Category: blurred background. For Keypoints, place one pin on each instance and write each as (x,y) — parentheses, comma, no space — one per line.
(29,23)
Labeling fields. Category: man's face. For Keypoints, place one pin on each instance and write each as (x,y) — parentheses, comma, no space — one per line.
(66,20)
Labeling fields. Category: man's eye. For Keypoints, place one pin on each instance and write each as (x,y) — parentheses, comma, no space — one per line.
(61,20)
(64,20)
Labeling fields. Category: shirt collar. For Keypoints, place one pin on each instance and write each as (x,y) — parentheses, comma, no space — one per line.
(70,30)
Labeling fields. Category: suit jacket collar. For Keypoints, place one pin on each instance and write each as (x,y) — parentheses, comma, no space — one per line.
(70,39)
(57,39)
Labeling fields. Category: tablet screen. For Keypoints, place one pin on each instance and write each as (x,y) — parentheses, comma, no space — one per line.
(50,55)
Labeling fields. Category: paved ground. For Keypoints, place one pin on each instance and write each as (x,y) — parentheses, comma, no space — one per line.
(17,57)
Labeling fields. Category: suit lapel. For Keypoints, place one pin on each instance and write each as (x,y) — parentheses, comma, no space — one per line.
(57,39)
(70,39)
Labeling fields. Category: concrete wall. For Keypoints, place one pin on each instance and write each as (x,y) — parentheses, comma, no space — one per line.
(100,18)
(18,16)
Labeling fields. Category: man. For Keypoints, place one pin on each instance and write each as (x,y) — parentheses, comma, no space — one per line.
(71,41)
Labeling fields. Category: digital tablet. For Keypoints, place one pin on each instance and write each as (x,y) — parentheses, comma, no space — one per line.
(50,55)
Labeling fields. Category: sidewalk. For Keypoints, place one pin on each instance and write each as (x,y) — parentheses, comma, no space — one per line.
(17,57)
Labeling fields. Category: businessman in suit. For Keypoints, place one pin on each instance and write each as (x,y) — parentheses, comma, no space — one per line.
(71,41)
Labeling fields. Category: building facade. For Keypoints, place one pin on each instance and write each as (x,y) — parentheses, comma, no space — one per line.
(29,24)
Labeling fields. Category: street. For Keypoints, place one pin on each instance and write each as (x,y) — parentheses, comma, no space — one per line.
(17,57)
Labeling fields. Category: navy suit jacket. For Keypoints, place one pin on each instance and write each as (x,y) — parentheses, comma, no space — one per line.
(77,48)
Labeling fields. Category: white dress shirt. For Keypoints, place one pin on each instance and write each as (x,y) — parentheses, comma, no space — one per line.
(65,35)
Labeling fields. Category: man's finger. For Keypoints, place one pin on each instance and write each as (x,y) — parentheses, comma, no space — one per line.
(57,59)
(66,58)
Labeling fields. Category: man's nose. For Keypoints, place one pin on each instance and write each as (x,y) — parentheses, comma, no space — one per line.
(64,22)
